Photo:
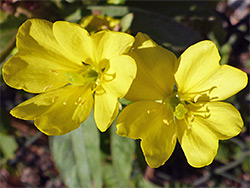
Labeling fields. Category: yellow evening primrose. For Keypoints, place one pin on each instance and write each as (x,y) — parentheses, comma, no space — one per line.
(72,71)
(180,99)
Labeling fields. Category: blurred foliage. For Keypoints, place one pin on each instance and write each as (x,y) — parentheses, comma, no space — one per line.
(86,157)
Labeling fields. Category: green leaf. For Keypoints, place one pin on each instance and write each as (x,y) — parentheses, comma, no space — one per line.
(8,32)
(116,2)
(8,145)
(157,26)
(92,144)
(161,29)
(75,16)
(122,150)
(77,156)
(109,176)
(112,11)
(246,164)
(223,153)
(126,21)
(141,182)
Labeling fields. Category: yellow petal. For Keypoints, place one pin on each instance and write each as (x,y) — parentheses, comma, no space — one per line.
(155,70)
(109,44)
(75,41)
(227,81)
(120,74)
(105,109)
(145,120)
(199,70)
(57,112)
(224,120)
(40,63)
(36,37)
(199,144)
(23,72)
(196,64)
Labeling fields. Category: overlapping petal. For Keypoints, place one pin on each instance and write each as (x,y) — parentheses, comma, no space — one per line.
(109,44)
(117,79)
(145,122)
(199,70)
(106,108)
(196,65)
(156,67)
(57,112)
(40,62)
(224,120)
(120,75)
(31,76)
(36,37)
(199,143)
(75,40)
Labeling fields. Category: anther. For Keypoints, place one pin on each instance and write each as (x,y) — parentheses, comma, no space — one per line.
(192,118)
(150,111)
(54,99)
(197,97)
(165,121)
(83,102)
(47,87)
(113,76)
(65,102)
(54,71)
(79,99)
(173,138)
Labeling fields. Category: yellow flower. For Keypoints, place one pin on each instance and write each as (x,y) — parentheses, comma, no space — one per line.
(72,71)
(94,23)
(179,99)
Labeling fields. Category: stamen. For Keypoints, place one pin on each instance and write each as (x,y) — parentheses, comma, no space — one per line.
(212,98)
(189,122)
(99,90)
(108,80)
(204,91)
(202,113)
(197,97)
(200,104)
(98,82)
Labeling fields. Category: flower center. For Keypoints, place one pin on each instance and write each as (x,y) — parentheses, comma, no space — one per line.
(187,106)
(176,105)
(88,75)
